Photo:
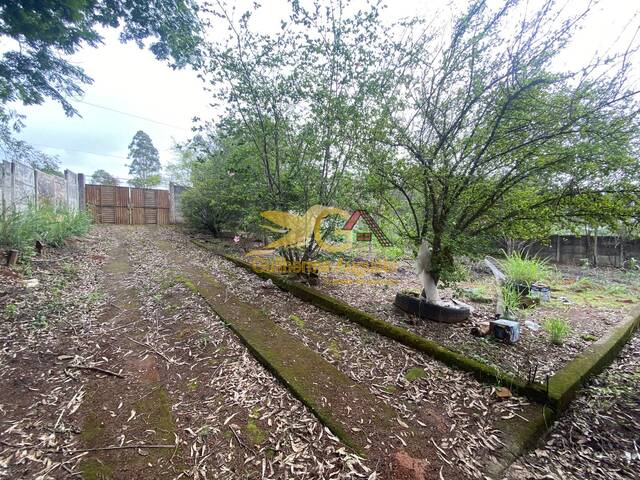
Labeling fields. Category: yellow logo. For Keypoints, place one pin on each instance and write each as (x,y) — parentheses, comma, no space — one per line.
(298,230)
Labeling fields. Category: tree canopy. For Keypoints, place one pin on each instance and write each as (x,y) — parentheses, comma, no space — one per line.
(145,161)
(102,177)
(38,34)
(456,133)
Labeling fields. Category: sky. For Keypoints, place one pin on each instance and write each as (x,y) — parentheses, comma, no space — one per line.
(131,81)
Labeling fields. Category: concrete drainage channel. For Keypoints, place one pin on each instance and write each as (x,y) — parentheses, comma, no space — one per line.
(551,400)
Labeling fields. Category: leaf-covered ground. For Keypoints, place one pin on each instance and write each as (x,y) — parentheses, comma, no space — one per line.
(591,301)
(112,367)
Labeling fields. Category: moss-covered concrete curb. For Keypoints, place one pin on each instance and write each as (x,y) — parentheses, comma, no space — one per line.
(564,385)
(520,436)
(485,373)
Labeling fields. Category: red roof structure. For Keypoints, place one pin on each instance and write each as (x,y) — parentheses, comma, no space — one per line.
(371,223)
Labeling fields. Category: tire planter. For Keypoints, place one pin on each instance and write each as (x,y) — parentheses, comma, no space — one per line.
(418,306)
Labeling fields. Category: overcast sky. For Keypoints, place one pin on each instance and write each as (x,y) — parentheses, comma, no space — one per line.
(130,80)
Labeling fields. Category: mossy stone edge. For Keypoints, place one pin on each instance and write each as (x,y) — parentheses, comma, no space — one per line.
(485,373)
(564,385)
(522,435)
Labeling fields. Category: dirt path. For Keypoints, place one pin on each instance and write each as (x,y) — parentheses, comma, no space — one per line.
(193,402)
(167,390)
(364,422)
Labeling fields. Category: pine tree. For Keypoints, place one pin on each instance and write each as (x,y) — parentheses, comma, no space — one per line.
(145,161)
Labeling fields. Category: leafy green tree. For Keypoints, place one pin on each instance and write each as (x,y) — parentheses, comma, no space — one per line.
(301,97)
(226,191)
(482,136)
(102,177)
(145,161)
(36,34)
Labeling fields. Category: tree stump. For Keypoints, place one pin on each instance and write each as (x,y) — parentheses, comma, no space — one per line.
(12,257)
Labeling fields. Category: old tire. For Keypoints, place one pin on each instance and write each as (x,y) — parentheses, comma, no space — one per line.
(418,306)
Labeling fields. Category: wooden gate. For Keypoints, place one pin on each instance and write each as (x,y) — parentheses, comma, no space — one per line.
(127,205)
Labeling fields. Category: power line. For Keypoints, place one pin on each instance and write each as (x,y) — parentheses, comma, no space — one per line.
(81,151)
(89,153)
(132,115)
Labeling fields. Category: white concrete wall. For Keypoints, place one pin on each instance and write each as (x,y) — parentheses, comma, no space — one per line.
(21,185)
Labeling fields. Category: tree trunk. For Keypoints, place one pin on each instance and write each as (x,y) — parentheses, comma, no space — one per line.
(423,268)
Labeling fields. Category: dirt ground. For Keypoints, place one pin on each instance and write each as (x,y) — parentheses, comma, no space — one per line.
(599,436)
(192,403)
(592,301)
(112,367)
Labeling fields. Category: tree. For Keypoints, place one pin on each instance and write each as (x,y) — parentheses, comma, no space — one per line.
(102,177)
(482,136)
(145,161)
(36,35)
(226,191)
(301,98)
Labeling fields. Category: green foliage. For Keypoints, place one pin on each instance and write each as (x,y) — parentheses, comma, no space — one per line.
(465,154)
(227,192)
(414,374)
(145,161)
(36,34)
(510,298)
(557,328)
(49,224)
(102,177)
(520,268)
(297,102)
(10,311)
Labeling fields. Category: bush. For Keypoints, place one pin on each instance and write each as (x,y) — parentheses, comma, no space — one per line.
(519,268)
(49,224)
(558,328)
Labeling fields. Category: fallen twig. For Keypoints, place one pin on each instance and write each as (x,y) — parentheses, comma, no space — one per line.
(240,442)
(97,369)
(114,447)
(150,348)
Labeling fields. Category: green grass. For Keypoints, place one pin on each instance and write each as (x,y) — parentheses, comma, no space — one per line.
(510,297)
(10,311)
(557,328)
(520,268)
(414,374)
(51,225)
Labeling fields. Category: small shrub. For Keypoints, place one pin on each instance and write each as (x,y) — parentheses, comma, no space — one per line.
(49,224)
(510,298)
(558,328)
(10,311)
(520,268)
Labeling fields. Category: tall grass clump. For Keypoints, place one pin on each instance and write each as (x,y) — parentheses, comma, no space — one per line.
(522,269)
(510,298)
(557,328)
(49,224)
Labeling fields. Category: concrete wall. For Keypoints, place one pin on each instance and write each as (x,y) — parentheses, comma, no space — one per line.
(175,212)
(21,185)
(574,249)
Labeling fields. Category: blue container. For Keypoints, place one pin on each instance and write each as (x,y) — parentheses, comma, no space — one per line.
(540,291)
(505,330)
